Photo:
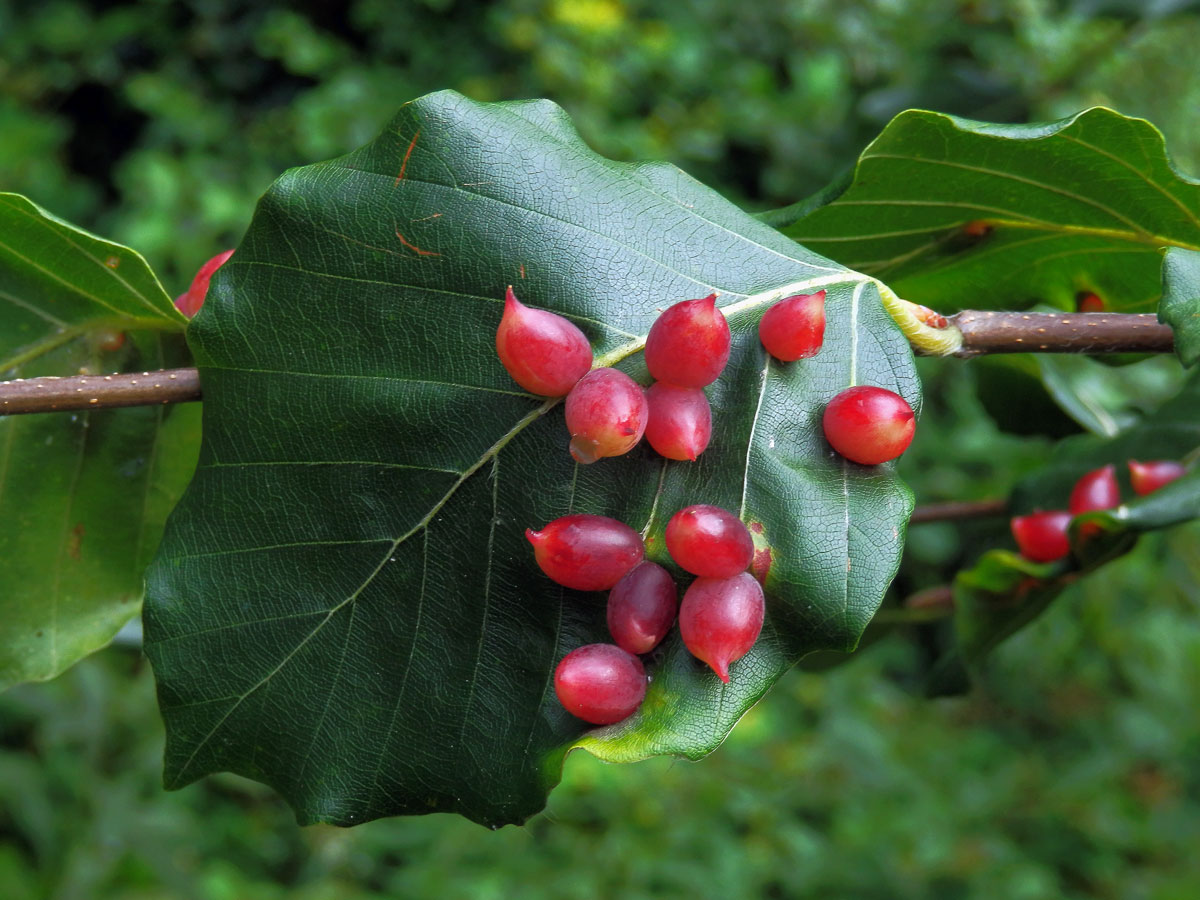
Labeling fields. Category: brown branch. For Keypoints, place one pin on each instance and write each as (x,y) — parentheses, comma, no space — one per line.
(29,395)
(983,332)
(1018,332)
(945,512)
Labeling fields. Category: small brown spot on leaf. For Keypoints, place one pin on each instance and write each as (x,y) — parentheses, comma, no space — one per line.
(407,155)
(75,540)
(414,248)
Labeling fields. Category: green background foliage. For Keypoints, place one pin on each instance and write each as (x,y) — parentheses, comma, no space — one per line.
(1065,774)
(153,122)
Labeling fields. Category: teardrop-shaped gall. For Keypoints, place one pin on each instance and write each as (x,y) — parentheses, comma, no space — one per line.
(1042,536)
(688,345)
(190,301)
(1148,477)
(543,352)
(606,414)
(642,608)
(709,541)
(679,422)
(586,552)
(1096,490)
(600,683)
(721,618)
(794,328)
(869,425)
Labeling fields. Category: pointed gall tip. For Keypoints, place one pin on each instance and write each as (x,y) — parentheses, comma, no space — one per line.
(722,670)
(534,537)
(511,301)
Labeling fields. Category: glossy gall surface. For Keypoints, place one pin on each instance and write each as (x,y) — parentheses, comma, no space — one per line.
(794,328)
(679,421)
(606,414)
(869,425)
(1094,491)
(190,301)
(642,607)
(586,552)
(709,541)
(1042,536)
(688,345)
(1148,477)
(600,683)
(543,352)
(721,618)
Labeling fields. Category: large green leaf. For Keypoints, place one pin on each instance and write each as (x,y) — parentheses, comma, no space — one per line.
(83,495)
(959,214)
(344,604)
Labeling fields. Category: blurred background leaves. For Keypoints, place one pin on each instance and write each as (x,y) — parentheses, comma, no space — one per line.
(1070,771)
(155,123)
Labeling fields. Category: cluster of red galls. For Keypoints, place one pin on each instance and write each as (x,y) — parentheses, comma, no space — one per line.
(607,414)
(719,619)
(1042,536)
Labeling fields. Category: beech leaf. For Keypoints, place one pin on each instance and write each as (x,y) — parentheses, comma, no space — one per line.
(345,605)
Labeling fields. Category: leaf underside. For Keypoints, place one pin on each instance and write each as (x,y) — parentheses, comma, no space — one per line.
(959,214)
(345,606)
(83,496)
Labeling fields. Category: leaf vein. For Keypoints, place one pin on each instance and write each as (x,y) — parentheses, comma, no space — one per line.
(487,600)
(1020,179)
